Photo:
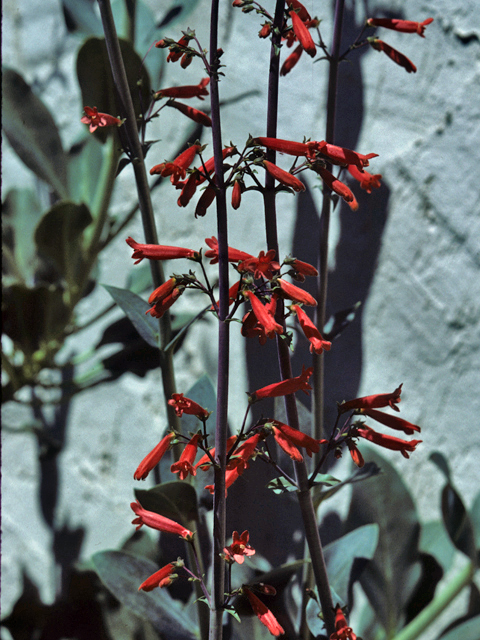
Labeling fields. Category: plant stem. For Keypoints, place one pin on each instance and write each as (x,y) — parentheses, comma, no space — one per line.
(438,604)
(304,496)
(318,362)
(219,498)
(143,190)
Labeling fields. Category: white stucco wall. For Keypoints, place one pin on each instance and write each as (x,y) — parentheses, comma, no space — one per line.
(421,321)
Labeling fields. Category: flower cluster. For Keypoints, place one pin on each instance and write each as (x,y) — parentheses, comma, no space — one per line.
(367,406)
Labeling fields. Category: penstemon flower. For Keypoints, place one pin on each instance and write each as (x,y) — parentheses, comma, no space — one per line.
(394,422)
(343,156)
(317,343)
(194,114)
(153,458)
(291,61)
(376,401)
(185,405)
(338,187)
(342,630)
(157,251)
(289,439)
(283,176)
(184,465)
(265,315)
(178,168)
(368,181)
(95,119)
(158,522)
(234,255)
(285,387)
(288,146)
(388,442)
(393,54)
(292,292)
(405,26)
(264,265)
(239,549)
(162,578)
(303,34)
(263,613)
(163,304)
(188,91)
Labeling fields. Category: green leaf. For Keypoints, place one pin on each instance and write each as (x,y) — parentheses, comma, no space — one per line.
(135,308)
(469,630)
(96,81)
(389,579)
(203,392)
(457,522)
(32,132)
(21,211)
(85,160)
(340,555)
(176,500)
(281,485)
(58,237)
(314,622)
(122,574)
(435,541)
(475,518)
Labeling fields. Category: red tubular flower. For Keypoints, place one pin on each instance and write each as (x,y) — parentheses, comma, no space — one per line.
(194,114)
(317,343)
(299,9)
(188,189)
(388,442)
(232,296)
(157,251)
(287,146)
(337,186)
(303,34)
(239,549)
(184,465)
(158,522)
(234,255)
(368,181)
(342,630)
(162,578)
(356,455)
(343,156)
(292,292)
(373,402)
(264,614)
(405,26)
(163,304)
(236,194)
(265,315)
(393,54)
(303,268)
(264,265)
(251,328)
(285,387)
(95,119)
(162,291)
(283,176)
(291,61)
(185,405)
(240,457)
(153,458)
(265,30)
(188,91)
(173,56)
(186,60)
(289,439)
(391,421)
(205,200)
(178,168)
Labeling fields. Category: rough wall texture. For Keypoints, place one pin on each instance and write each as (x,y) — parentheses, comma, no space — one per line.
(420,321)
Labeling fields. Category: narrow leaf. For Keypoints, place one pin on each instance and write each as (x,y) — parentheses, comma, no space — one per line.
(32,132)
(135,308)
(457,522)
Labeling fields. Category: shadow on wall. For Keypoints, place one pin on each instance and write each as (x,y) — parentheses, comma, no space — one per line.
(349,282)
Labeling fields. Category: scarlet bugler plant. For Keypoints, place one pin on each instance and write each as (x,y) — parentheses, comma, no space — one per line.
(272,302)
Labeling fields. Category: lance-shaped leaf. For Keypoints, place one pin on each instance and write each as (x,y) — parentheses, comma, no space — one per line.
(455,517)
(123,573)
(32,132)
(136,308)
(203,392)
